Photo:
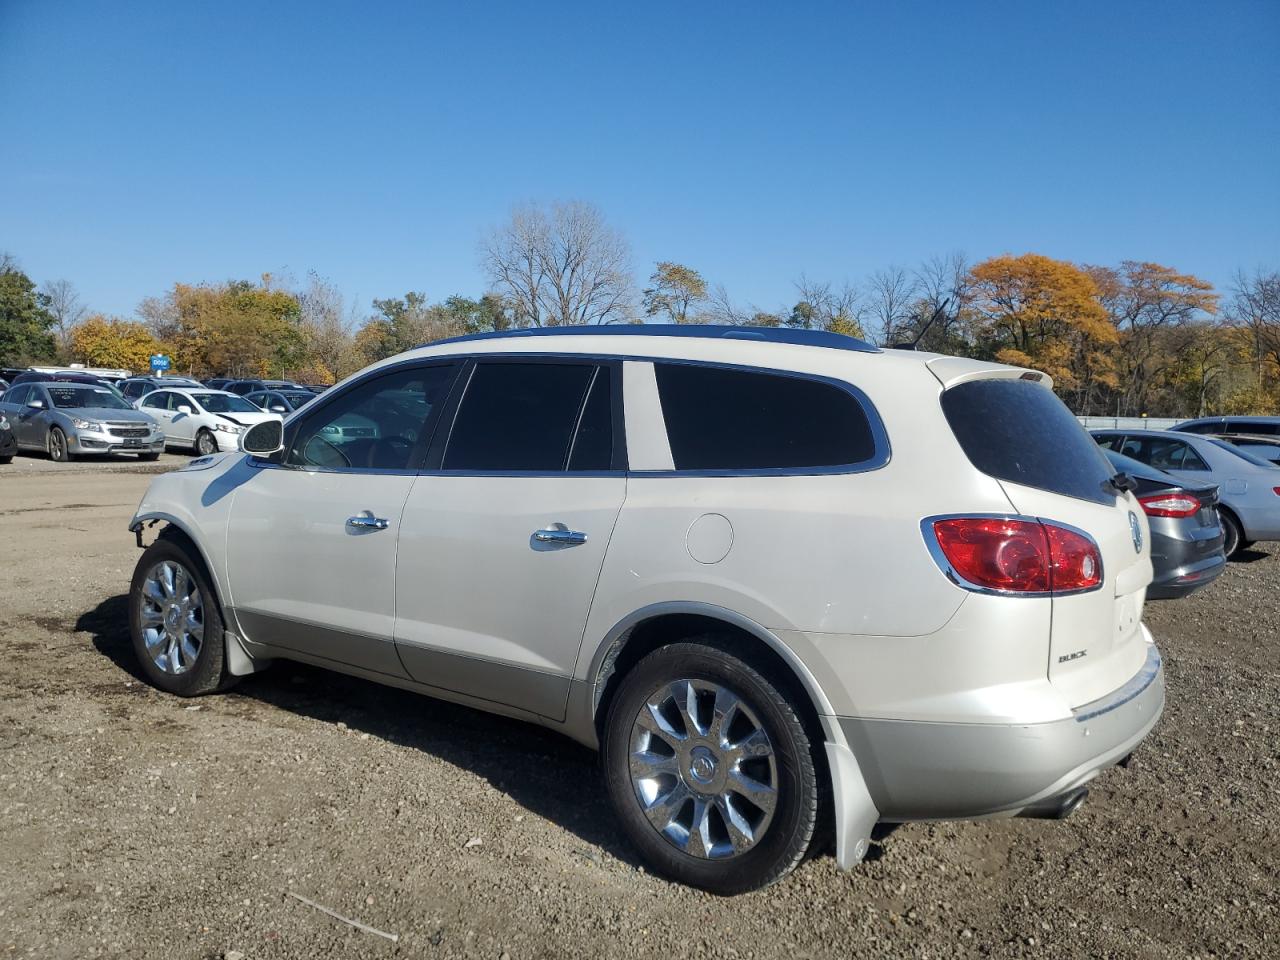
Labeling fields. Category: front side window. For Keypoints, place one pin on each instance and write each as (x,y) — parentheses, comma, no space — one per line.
(381,424)
(157,400)
(523,416)
(17,395)
(723,419)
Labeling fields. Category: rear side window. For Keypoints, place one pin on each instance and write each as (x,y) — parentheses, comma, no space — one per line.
(1017,430)
(1205,426)
(721,419)
(1254,427)
(520,416)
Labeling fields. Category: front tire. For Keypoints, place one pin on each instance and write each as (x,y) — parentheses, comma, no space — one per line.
(709,769)
(176,622)
(206,443)
(59,448)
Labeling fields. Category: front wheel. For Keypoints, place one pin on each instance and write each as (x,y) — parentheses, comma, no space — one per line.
(710,769)
(176,623)
(206,443)
(59,449)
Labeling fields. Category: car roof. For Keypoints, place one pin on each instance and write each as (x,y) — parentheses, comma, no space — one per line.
(792,335)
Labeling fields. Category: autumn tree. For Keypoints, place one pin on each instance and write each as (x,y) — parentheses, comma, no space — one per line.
(25,318)
(236,329)
(676,290)
(100,341)
(1144,301)
(1038,312)
(560,267)
(824,307)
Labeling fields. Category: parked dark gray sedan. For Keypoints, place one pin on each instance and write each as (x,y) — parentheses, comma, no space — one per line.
(1186,534)
(66,420)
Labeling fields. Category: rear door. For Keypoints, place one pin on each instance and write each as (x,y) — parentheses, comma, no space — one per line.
(502,543)
(156,405)
(1017,431)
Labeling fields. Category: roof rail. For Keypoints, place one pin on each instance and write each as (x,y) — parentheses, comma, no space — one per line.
(792,335)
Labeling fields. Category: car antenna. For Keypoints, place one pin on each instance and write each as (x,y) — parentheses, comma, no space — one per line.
(911,345)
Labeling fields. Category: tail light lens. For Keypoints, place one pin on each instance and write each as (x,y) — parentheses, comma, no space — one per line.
(1013,555)
(1276,491)
(1169,505)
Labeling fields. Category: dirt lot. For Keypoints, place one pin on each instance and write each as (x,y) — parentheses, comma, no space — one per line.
(134,824)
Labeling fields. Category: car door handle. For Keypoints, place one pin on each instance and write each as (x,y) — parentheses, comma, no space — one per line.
(559,535)
(367,521)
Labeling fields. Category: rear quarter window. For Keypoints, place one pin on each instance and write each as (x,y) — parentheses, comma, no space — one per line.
(1017,430)
(729,419)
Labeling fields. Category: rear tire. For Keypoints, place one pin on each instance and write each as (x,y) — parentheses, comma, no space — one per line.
(717,788)
(1232,538)
(8,459)
(176,622)
(59,448)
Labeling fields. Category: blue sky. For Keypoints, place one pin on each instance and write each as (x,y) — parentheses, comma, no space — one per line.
(146,143)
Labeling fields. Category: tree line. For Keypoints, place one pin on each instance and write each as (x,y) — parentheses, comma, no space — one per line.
(1126,339)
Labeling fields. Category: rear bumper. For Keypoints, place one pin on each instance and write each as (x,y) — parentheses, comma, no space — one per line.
(1181,581)
(954,771)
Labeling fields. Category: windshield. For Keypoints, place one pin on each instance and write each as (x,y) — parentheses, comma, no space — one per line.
(224,403)
(298,399)
(1247,457)
(67,397)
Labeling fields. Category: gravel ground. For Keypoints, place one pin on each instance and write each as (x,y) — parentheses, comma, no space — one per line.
(138,825)
(38,464)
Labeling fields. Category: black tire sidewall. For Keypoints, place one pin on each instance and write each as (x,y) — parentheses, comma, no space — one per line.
(53,448)
(212,443)
(207,675)
(792,828)
(1232,535)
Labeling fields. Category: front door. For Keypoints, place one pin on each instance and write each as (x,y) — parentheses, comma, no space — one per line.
(156,405)
(501,545)
(312,540)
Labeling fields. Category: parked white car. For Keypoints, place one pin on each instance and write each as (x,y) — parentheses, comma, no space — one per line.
(780,578)
(205,421)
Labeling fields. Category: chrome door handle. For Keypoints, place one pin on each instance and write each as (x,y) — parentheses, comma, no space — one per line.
(559,535)
(367,521)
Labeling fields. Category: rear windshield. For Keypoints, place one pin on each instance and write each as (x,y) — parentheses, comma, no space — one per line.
(1017,430)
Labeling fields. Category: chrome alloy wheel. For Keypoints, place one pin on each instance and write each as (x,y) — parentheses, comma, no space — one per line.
(703,769)
(172,617)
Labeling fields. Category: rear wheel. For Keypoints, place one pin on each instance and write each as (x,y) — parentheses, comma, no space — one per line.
(1233,539)
(709,769)
(59,449)
(206,443)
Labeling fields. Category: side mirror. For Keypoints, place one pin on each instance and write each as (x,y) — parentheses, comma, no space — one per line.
(184,408)
(35,404)
(263,439)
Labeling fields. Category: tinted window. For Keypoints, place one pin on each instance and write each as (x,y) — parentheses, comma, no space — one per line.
(1204,426)
(159,399)
(1258,428)
(1163,453)
(17,394)
(518,416)
(379,425)
(721,419)
(593,445)
(1017,430)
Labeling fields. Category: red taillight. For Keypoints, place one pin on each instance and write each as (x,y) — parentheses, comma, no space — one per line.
(1276,491)
(1018,556)
(1169,505)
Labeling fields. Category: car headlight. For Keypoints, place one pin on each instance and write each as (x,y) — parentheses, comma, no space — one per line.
(228,428)
(93,425)
(4,423)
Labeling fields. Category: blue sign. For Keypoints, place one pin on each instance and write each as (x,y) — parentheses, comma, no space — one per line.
(159,363)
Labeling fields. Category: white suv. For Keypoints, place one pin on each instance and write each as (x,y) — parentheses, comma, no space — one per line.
(784,581)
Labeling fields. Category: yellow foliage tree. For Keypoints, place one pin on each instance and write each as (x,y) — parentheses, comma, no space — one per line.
(1034,311)
(100,341)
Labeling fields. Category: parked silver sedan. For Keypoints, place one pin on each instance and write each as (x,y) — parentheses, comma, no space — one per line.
(66,420)
(1248,486)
